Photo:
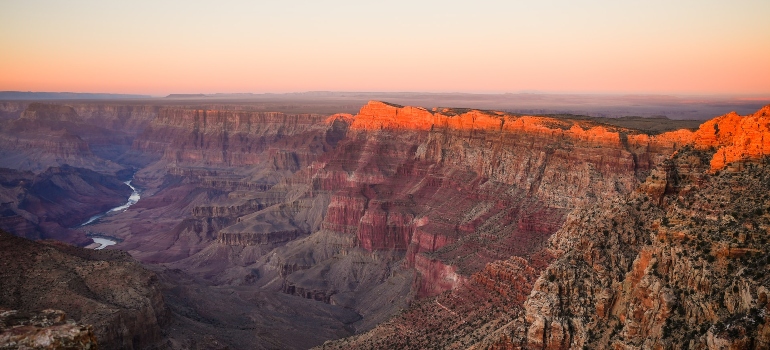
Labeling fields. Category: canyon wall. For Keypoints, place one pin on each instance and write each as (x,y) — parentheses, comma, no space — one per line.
(455,190)
(49,204)
(360,201)
(683,269)
(477,219)
(226,138)
(676,263)
(46,135)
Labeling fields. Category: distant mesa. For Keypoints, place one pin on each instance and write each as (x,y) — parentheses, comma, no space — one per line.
(185,96)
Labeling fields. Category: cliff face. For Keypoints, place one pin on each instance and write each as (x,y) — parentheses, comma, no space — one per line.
(214,169)
(457,190)
(10,110)
(106,289)
(226,138)
(48,135)
(686,272)
(130,119)
(346,208)
(677,262)
(736,138)
(47,205)
(69,196)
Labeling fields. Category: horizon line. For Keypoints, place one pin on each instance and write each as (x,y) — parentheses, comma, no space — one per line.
(744,96)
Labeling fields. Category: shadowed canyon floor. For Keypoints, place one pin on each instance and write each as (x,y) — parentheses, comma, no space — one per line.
(410,227)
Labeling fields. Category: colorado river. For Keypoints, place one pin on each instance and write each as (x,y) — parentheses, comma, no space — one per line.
(104,241)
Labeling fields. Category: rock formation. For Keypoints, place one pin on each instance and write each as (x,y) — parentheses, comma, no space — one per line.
(48,135)
(474,228)
(736,138)
(49,204)
(677,263)
(102,288)
(225,138)
(48,329)
(456,190)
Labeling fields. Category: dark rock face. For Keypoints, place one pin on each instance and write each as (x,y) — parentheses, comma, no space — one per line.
(93,136)
(69,196)
(49,135)
(45,330)
(105,289)
(10,110)
(47,205)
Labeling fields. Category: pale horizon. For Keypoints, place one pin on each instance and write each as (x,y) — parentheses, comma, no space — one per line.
(555,47)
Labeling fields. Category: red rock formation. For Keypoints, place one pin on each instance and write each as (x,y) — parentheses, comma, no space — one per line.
(652,287)
(406,176)
(436,276)
(736,138)
(343,209)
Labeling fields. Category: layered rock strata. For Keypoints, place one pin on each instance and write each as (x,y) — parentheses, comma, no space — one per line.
(674,264)
(455,190)
(226,138)
(398,204)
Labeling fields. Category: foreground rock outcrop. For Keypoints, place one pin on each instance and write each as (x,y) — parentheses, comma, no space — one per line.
(688,271)
(45,330)
(105,289)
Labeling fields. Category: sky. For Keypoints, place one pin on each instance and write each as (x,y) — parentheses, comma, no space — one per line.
(557,46)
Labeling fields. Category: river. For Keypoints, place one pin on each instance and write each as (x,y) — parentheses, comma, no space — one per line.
(106,241)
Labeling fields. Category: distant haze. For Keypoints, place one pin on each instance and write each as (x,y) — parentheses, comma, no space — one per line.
(183,47)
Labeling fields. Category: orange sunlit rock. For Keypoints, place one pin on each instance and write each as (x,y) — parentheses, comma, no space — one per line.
(735,138)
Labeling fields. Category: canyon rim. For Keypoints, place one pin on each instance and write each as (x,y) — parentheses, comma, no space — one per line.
(392,227)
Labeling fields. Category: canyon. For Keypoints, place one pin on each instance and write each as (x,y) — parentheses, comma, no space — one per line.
(394,227)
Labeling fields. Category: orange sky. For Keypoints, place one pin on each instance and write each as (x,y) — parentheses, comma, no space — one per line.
(703,47)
